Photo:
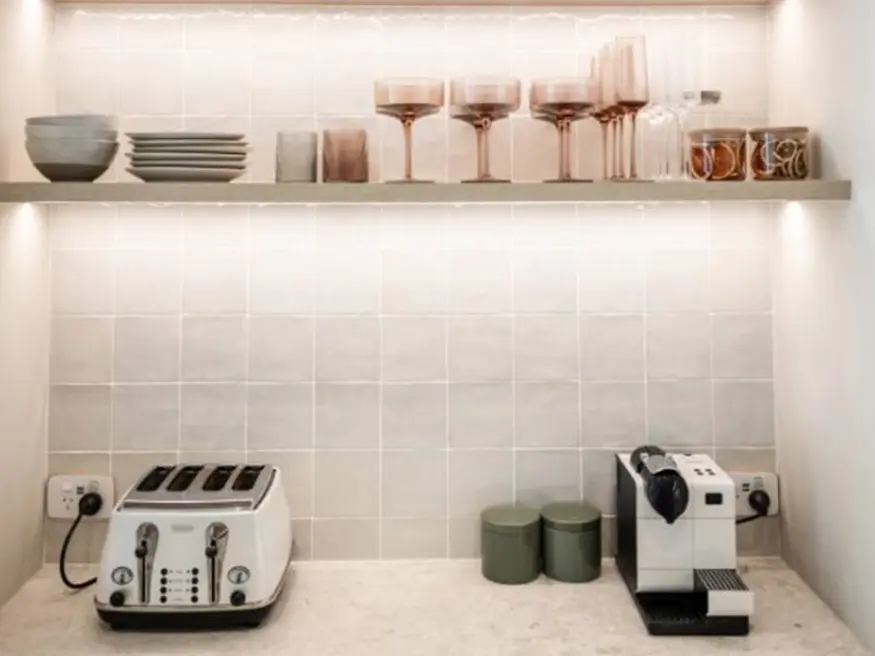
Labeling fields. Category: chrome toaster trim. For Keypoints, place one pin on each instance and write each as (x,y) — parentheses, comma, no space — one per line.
(194,497)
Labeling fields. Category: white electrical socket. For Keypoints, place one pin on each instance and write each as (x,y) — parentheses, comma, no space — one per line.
(64,491)
(747,482)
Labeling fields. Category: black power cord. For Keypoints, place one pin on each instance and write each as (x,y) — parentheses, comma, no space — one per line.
(89,505)
(759,500)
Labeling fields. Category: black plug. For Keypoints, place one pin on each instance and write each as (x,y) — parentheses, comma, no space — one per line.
(90,504)
(759,500)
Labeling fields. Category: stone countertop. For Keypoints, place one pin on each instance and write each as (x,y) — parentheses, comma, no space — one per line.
(422,608)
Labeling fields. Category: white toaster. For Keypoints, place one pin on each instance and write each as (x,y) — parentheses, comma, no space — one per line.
(196,546)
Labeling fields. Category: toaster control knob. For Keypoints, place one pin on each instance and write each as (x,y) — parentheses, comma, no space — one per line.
(117,599)
(141,551)
(238,598)
(212,551)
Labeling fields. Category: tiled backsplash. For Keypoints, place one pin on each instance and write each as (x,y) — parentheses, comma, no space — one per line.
(407,365)
(260,69)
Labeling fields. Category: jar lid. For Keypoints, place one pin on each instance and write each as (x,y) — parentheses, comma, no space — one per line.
(573,516)
(708,134)
(510,518)
(782,130)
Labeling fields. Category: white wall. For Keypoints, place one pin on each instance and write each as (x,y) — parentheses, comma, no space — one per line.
(25,85)
(822,76)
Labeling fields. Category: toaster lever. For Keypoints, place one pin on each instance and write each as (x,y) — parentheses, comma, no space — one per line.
(217,541)
(147,545)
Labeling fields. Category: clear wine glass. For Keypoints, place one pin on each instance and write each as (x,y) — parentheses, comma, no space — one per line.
(633,90)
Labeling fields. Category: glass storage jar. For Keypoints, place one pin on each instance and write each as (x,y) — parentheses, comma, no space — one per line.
(779,153)
(718,154)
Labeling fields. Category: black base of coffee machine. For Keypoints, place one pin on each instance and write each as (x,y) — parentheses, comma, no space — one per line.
(682,614)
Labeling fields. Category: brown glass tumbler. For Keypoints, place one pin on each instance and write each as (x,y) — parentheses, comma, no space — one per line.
(344,155)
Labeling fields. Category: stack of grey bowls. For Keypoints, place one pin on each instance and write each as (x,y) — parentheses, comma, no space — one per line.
(72,148)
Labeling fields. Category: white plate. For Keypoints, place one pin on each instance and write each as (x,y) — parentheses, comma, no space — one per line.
(173,143)
(171,155)
(183,164)
(176,174)
(203,150)
(176,136)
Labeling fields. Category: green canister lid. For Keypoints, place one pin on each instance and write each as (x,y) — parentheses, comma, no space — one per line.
(571,516)
(510,518)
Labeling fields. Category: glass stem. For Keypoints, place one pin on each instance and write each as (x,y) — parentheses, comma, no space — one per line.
(564,126)
(482,127)
(633,147)
(604,149)
(621,174)
(407,123)
(681,145)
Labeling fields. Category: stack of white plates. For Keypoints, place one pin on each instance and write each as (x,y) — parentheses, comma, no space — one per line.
(187,156)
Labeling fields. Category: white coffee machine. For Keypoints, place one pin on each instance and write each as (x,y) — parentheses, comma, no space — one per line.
(676,544)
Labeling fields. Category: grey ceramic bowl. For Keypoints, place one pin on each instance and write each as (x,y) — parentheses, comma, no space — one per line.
(71,160)
(73,131)
(92,120)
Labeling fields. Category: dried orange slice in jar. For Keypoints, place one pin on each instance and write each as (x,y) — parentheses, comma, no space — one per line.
(718,154)
(780,153)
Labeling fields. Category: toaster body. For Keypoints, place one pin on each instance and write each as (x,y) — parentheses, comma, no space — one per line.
(196,546)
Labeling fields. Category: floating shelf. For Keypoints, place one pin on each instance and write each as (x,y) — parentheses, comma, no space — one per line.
(445,3)
(270,193)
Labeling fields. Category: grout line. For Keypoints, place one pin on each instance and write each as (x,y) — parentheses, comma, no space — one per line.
(181,256)
(578,387)
(511,260)
(113,297)
(643,255)
(380,546)
(247,333)
(313,488)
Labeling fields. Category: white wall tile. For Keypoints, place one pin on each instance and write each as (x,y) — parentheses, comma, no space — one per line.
(612,414)
(413,349)
(546,414)
(347,349)
(610,281)
(478,282)
(81,350)
(82,282)
(677,281)
(214,282)
(480,415)
(148,282)
(742,346)
(213,417)
(282,282)
(347,415)
(744,414)
(280,349)
(545,348)
(414,416)
(414,484)
(543,477)
(545,282)
(153,83)
(479,348)
(214,349)
(679,413)
(678,346)
(413,282)
(147,350)
(145,417)
(279,416)
(79,418)
(611,347)
(347,484)
(479,479)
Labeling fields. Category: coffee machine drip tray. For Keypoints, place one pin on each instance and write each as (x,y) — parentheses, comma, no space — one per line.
(716,607)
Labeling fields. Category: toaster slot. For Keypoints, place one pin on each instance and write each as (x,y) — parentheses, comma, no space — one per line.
(247,477)
(184,478)
(218,478)
(153,480)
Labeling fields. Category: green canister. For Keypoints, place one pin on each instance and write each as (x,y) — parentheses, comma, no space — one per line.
(572,541)
(510,543)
